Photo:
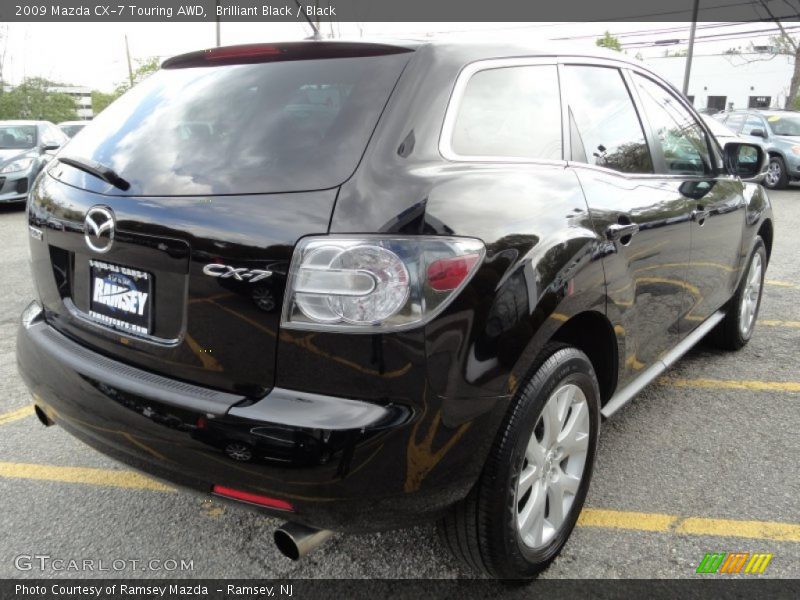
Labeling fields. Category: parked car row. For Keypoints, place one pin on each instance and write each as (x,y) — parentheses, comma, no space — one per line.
(778,131)
(25,148)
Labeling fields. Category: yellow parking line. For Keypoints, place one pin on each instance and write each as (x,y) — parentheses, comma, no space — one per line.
(86,475)
(779,283)
(774,323)
(14,415)
(590,517)
(617,519)
(753,385)
(757,530)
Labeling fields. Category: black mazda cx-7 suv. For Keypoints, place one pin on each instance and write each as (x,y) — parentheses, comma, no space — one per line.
(358,285)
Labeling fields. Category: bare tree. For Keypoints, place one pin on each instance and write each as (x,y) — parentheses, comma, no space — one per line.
(3,46)
(791,44)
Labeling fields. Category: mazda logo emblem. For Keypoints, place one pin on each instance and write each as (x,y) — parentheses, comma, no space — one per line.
(98,229)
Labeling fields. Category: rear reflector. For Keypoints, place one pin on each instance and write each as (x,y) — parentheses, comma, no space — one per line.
(447,273)
(227,492)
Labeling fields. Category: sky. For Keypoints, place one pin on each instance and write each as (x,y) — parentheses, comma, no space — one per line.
(93,54)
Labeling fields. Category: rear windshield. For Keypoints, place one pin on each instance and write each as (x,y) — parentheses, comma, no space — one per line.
(255,128)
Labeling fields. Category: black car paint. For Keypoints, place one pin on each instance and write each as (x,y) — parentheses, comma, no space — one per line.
(549,272)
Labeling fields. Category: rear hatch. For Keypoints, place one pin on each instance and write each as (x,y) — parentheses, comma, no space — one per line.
(221,161)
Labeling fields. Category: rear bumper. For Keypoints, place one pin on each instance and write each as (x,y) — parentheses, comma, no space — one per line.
(343,464)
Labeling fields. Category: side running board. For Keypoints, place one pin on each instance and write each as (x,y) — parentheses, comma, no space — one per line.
(627,393)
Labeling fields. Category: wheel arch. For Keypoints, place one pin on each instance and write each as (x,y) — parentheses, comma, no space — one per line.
(767,234)
(589,331)
(772,153)
(592,333)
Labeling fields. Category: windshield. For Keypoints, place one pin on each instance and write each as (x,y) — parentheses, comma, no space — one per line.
(784,124)
(17,137)
(282,126)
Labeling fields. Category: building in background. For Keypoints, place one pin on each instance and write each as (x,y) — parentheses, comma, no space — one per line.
(82,96)
(724,81)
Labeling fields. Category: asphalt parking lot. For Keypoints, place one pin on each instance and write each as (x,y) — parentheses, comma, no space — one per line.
(706,460)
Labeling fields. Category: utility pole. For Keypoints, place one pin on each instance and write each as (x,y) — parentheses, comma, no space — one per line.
(128,55)
(690,53)
(219,43)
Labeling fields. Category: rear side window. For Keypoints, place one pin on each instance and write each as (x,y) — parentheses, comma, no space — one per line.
(734,122)
(604,127)
(249,128)
(510,112)
(683,142)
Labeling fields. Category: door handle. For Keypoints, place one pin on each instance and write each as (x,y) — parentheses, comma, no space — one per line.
(615,233)
(700,214)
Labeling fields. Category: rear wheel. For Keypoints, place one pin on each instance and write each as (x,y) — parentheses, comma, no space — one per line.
(521,512)
(776,177)
(735,330)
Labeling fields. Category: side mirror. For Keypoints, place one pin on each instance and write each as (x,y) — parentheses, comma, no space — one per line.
(748,161)
(758,133)
(50,147)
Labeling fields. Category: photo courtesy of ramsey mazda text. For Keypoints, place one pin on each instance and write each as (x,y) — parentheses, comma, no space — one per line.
(410,269)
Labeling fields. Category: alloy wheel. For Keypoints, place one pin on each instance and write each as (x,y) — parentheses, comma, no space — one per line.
(239,452)
(750,296)
(553,466)
(773,175)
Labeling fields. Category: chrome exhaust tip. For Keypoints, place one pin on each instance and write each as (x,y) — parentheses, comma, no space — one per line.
(42,416)
(295,541)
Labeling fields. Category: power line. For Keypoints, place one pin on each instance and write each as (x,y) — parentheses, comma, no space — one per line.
(720,37)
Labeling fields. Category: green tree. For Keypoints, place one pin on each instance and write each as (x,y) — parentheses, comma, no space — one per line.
(32,99)
(100,100)
(609,41)
(145,68)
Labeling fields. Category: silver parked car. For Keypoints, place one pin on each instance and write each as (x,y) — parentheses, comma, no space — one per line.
(722,132)
(778,131)
(25,147)
(70,128)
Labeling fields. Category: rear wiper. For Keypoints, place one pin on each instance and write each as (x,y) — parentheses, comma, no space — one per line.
(95,168)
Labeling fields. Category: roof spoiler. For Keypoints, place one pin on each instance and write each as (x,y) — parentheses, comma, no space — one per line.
(261,53)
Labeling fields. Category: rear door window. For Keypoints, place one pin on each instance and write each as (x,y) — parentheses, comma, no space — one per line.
(509,112)
(604,127)
(287,125)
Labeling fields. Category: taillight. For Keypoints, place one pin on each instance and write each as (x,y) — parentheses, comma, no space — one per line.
(243,51)
(447,274)
(371,283)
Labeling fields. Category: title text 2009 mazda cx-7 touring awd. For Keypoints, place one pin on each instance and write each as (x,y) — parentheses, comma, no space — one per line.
(358,285)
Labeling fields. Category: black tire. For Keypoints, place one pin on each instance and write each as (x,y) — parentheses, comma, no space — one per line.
(481,530)
(729,334)
(777,178)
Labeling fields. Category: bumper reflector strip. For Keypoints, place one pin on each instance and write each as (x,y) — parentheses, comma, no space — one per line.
(251,498)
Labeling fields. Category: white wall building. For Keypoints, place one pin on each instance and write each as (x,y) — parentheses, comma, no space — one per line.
(726,81)
(82,97)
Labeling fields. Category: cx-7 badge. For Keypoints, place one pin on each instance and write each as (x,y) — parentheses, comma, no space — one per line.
(240,273)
